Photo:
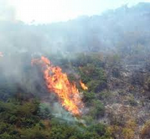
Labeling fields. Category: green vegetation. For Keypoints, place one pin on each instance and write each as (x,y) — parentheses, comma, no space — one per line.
(24,121)
(30,113)
(24,117)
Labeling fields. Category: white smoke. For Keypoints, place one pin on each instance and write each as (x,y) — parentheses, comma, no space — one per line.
(7,11)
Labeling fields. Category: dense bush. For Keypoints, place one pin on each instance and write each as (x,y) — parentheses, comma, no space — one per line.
(26,121)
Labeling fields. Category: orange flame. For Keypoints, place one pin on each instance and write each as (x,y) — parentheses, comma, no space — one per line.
(84,87)
(58,82)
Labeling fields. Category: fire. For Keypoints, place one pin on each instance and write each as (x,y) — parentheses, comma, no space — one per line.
(84,87)
(58,82)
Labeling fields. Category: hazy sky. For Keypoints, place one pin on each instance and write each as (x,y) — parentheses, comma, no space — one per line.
(43,11)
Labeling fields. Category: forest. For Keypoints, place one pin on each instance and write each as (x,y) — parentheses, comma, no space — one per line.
(108,53)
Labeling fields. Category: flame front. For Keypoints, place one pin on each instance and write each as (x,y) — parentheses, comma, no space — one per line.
(58,82)
(84,87)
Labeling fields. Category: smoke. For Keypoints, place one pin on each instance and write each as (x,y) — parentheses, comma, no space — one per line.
(7,12)
(109,32)
(84,34)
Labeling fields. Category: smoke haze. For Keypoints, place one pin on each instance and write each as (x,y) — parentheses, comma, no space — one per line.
(114,31)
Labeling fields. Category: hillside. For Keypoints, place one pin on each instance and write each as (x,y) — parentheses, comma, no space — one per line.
(109,53)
